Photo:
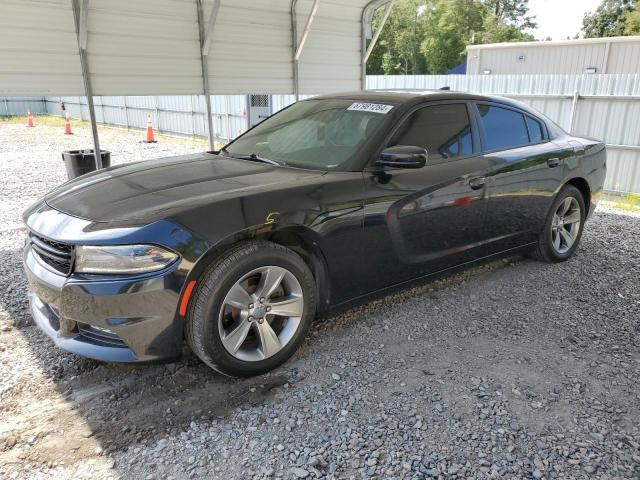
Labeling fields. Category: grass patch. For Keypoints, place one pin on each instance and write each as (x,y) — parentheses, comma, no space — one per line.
(629,202)
(57,121)
(48,120)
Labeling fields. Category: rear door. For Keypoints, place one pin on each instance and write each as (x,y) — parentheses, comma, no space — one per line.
(420,221)
(528,169)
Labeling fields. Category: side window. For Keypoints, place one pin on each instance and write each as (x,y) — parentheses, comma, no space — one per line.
(535,130)
(503,128)
(443,130)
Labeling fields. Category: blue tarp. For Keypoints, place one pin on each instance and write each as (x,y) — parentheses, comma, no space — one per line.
(458,69)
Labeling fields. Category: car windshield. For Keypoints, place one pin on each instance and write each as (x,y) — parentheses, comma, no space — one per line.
(315,134)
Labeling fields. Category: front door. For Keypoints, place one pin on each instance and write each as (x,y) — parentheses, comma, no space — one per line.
(420,221)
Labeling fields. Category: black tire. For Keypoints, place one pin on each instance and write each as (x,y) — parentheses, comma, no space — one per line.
(545,250)
(201,328)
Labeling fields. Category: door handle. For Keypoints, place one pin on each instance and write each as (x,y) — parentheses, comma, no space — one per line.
(477,182)
(553,162)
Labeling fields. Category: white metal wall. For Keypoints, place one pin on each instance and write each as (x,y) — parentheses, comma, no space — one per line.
(617,55)
(251,45)
(38,48)
(331,58)
(10,106)
(142,47)
(152,47)
(607,108)
(175,114)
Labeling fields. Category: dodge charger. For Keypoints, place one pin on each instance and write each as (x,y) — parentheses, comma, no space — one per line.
(328,202)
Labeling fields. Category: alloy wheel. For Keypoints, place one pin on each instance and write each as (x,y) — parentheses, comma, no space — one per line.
(565,225)
(261,313)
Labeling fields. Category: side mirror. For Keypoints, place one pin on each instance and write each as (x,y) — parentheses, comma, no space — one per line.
(403,156)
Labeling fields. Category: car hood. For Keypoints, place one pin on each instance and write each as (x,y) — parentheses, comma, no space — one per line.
(146,190)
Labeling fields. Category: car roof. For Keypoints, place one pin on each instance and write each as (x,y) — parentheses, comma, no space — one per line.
(410,96)
(413,97)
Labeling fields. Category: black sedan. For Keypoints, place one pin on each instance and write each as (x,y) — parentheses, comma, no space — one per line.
(325,203)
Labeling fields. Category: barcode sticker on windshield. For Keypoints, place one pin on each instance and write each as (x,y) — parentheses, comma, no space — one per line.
(370,107)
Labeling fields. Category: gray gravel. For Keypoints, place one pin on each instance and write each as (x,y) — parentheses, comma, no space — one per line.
(513,369)
(32,164)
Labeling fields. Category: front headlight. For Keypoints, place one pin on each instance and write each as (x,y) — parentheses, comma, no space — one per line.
(122,259)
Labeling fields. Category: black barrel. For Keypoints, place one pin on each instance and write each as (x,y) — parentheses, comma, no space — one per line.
(79,162)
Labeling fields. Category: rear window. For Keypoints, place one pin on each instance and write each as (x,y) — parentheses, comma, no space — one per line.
(535,130)
(503,128)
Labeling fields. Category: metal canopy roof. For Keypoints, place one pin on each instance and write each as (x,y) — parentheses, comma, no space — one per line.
(172,47)
(161,47)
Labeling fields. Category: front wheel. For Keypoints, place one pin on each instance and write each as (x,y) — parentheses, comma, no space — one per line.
(252,309)
(563,227)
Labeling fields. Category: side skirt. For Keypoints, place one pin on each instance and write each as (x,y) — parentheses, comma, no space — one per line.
(376,294)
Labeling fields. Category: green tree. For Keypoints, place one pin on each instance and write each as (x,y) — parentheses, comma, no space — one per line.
(431,36)
(608,20)
(398,48)
(632,22)
(450,27)
(496,31)
(514,13)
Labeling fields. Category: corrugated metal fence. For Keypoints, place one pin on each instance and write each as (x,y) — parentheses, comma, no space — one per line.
(180,114)
(606,107)
(20,105)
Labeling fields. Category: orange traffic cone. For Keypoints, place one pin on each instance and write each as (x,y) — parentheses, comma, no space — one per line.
(29,119)
(67,125)
(150,137)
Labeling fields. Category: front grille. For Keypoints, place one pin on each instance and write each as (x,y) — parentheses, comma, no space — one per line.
(57,255)
(100,337)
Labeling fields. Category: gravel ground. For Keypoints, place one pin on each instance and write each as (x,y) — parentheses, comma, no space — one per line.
(512,369)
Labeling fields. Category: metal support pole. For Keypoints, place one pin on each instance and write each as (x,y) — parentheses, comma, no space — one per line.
(83,36)
(157,113)
(80,22)
(363,65)
(377,33)
(574,109)
(298,47)
(616,146)
(126,111)
(294,44)
(307,28)
(605,62)
(228,106)
(206,43)
(205,70)
(367,19)
(193,116)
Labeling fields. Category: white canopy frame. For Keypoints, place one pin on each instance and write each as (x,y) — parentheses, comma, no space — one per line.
(169,47)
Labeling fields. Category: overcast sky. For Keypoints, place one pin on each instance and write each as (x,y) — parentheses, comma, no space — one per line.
(560,19)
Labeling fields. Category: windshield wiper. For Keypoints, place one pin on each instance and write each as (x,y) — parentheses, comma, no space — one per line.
(258,158)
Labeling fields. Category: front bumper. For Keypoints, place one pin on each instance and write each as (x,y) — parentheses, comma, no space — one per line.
(121,319)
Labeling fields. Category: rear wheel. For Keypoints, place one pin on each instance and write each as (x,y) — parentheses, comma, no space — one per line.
(563,227)
(252,309)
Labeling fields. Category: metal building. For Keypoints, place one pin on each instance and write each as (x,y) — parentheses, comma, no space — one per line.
(182,47)
(572,57)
